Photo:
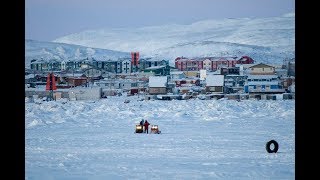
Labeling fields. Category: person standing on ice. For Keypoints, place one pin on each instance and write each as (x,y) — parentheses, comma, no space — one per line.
(146,125)
(142,123)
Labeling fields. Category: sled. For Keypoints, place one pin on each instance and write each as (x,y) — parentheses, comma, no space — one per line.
(139,129)
(155,129)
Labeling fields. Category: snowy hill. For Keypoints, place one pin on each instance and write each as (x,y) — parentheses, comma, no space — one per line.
(61,51)
(268,40)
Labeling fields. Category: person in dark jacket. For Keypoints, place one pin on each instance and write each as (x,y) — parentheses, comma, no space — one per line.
(146,125)
(142,124)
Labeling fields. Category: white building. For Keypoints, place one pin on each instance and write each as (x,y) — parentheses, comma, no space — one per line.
(126,66)
(158,84)
(214,83)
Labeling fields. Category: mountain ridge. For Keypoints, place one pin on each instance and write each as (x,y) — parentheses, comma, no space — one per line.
(276,34)
(47,51)
(268,40)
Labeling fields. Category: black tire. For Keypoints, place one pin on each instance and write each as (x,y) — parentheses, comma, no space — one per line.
(276,146)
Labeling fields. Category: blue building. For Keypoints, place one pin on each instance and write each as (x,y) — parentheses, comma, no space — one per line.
(263,84)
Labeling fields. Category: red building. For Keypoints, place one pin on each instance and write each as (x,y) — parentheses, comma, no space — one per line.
(218,63)
(186,64)
(210,63)
(245,60)
(76,81)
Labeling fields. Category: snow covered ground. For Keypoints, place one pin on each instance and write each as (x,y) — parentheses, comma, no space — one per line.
(200,139)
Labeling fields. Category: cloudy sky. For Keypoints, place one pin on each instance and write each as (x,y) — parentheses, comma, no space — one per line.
(47,20)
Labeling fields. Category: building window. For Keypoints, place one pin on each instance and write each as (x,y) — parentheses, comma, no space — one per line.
(267,87)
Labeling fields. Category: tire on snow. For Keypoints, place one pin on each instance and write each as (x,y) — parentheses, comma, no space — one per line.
(276,146)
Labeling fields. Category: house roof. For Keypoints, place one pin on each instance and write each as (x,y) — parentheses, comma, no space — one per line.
(38,61)
(71,75)
(29,76)
(157,81)
(154,67)
(262,76)
(176,72)
(226,58)
(215,80)
(260,65)
(251,83)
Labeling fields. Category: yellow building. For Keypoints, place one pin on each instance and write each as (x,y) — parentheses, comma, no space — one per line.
(191,73)
(261,69)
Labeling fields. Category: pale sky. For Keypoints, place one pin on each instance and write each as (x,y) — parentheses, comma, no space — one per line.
(47,20)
